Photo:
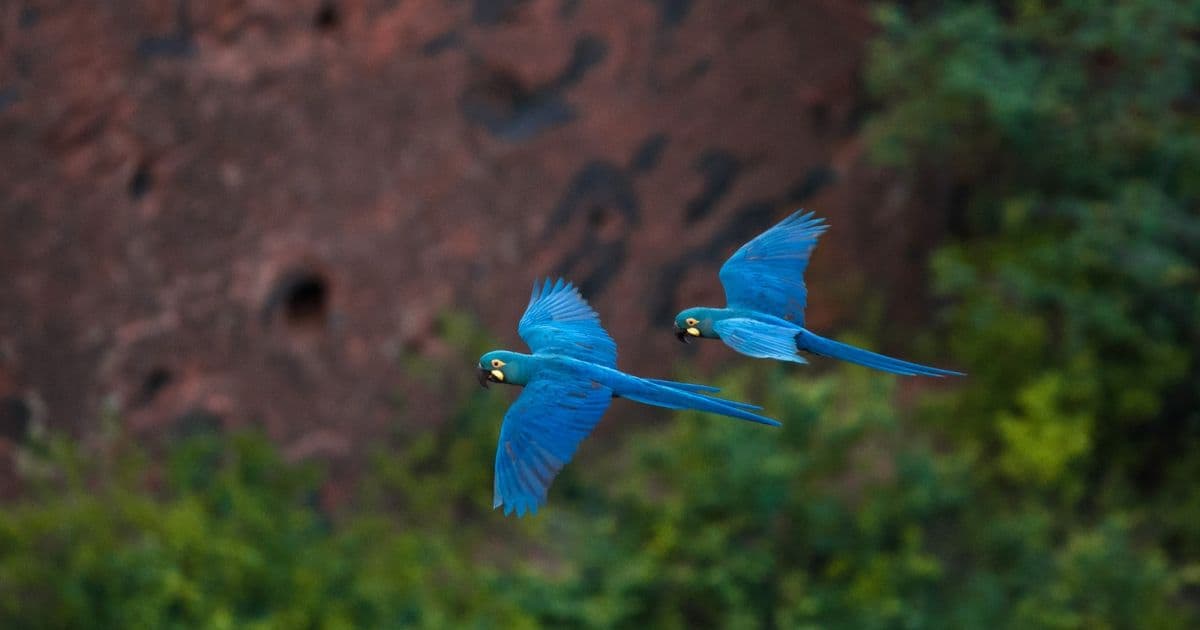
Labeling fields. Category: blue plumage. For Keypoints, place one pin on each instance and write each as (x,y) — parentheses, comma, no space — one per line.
(541,431)
(759,339)
(559,321)
(765,301)
(570,380)
(767,274)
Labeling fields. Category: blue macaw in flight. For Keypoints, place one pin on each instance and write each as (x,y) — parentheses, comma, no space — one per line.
(765,300)
(569,381)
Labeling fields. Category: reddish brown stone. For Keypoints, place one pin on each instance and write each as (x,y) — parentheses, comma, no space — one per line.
(251,208)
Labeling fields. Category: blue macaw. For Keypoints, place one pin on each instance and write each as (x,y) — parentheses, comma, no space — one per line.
(569,381)
(765,300)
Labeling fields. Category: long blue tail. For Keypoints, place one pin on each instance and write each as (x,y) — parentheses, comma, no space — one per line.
(816,344)
(696,388)
(677,397)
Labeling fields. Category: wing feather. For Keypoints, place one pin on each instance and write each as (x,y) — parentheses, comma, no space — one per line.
(559,321)
(759,339)
(767,274)
(540,434)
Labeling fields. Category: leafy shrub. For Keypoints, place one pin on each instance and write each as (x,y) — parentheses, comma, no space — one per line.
(704,522)
(1055,487)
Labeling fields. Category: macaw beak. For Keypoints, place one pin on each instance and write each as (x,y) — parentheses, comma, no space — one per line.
(681,334)
(483,377)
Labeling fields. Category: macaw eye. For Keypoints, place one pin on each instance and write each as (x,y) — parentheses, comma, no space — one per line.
(691,321)
(497,363)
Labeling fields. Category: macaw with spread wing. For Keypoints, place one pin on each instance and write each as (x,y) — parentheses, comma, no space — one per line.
(569,381)
(765,300)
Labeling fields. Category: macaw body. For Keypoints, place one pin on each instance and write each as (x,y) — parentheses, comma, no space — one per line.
(570,380)
(650,391)
(766,298)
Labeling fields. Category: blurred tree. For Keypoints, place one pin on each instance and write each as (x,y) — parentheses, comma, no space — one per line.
(1055,487)
(1070,132)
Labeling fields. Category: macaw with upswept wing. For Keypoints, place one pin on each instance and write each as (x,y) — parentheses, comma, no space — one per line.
(765,300)
(569,381)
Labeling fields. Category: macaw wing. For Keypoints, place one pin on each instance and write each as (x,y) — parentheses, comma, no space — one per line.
(559,321)
(540,433)
(767,274)
(759,339)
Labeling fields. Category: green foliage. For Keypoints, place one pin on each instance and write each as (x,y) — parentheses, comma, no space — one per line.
(1055,487)
(1071,134)
(1038,96)
(230,536)
(704,522)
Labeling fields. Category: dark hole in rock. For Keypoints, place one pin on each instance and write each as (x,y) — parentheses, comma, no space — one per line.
(301,296)
(305,300)
(15,416)
(140,183)
(155,381)
(327,17)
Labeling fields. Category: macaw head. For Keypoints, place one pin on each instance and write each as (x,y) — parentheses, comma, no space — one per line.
(694,322)
(502,366)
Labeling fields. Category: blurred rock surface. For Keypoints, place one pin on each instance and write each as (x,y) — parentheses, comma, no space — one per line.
(242,210)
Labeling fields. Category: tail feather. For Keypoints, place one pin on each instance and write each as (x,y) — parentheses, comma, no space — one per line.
(652,393)
(696,388)
(816,344)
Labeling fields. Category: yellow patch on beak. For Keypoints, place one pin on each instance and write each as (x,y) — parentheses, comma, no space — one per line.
(693,331)
(498,375)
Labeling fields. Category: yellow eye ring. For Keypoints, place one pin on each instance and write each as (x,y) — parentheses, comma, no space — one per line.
(497,363)
(691,321)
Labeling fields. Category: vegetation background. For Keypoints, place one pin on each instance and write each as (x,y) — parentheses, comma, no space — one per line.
(1058,486)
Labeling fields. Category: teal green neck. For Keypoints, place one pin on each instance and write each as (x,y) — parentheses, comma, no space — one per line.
(514,368)
(704,317)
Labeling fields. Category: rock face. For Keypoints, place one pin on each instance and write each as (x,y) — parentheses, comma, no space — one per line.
(242,212)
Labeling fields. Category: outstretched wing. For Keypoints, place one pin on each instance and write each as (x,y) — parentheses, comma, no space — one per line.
(767,274)
(759,339)
(539,436)
(559,321)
